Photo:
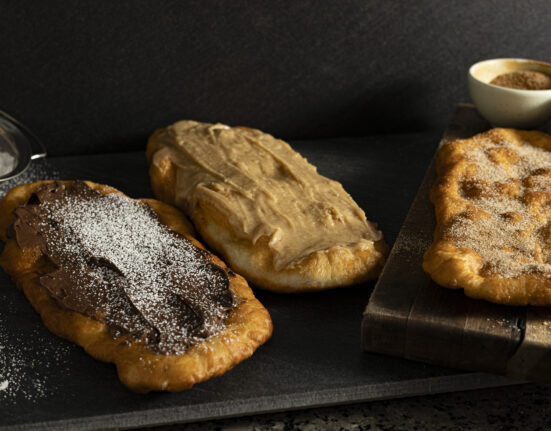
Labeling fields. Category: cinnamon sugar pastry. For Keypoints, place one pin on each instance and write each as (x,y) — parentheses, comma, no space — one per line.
(492,199)
(125,280)
(264,208)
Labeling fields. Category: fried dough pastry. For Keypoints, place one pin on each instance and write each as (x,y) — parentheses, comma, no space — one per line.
(492,199)
(120,308)
(264,208)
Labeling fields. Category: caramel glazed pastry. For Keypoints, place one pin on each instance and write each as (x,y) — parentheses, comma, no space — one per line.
(125,280)
(264,208)
(492,198)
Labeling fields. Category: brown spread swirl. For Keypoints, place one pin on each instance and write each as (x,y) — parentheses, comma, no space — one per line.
(264,189)
(109,258)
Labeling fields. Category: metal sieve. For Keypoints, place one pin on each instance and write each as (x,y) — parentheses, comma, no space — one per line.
(18,146)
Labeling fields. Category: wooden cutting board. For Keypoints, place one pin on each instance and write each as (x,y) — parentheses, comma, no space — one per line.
(410,316)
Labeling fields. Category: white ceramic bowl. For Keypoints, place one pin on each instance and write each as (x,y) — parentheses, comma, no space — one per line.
(508,107)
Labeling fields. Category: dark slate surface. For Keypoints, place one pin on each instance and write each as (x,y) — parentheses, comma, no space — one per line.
(314,357)
(100,76)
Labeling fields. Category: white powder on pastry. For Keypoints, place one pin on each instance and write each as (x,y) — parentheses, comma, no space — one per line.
(507,219)
(161,272)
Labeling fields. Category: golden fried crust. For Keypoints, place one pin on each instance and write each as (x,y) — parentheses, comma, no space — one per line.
(461,268)
(337,267)
(247,327)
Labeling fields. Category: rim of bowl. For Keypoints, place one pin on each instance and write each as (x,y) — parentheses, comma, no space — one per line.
(519,60)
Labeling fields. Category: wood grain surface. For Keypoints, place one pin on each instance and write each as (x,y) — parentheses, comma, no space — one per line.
(410,316)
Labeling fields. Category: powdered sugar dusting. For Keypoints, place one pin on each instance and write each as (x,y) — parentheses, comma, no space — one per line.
(117,242)
(24,375)
(506,221)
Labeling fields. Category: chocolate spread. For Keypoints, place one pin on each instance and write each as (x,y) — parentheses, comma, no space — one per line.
(109,258)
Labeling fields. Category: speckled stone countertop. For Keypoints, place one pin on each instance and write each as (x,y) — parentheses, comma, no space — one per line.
(519,407)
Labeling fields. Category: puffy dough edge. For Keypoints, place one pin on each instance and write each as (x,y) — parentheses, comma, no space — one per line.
(247,327)
(457,268)
(335,267)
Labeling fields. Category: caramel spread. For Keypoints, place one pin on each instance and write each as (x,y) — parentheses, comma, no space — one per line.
(109,257)
(264,189)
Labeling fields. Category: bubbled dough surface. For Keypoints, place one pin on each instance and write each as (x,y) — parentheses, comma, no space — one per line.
(455,198)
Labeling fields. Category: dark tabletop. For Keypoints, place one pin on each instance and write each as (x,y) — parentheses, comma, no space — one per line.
(522,408)
(314,357)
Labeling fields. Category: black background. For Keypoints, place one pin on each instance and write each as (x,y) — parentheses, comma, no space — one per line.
(101,76)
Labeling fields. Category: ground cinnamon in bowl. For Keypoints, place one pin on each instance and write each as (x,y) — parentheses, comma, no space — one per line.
(523,80)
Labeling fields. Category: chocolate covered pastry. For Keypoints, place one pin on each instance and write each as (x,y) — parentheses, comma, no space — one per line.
(125,280)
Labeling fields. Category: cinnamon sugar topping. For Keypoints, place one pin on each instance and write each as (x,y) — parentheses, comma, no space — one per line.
(506,195)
